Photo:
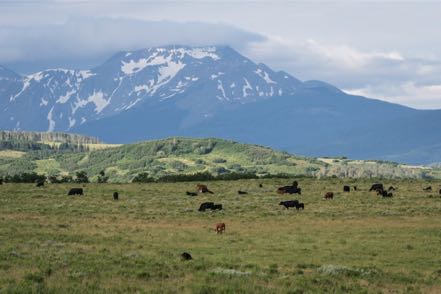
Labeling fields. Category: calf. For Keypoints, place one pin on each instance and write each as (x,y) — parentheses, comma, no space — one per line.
(355,188)
(329,195)
(290,203)
(220,228)
(385,194)
(1,181)
(260,186)
(186,256)
(75,191)
(39,184)
(203,189)
(427,189)
(241,192)
(439,191)
(191,193)
(115,195)
(346,189)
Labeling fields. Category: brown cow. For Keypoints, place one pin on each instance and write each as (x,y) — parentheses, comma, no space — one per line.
(203,189)
(329,195)
(220,228)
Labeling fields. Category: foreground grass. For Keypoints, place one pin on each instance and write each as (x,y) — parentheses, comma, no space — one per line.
(358,242)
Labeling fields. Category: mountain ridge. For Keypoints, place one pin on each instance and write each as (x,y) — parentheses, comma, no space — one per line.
(213,91)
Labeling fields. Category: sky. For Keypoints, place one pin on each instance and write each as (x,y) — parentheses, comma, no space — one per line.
(390,50)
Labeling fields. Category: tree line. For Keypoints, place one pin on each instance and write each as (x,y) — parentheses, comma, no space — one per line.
(47,137)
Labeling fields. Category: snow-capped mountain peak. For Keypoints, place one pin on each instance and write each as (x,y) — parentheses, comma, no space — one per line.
(202,76)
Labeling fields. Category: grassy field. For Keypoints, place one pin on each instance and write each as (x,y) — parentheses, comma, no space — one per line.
(358,242)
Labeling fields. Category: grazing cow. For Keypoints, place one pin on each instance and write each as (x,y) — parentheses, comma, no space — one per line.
(241,192)
(206,205)
(376,187)
(290,203)
(186,256)
(260,186)
(115,195)
(355,188)
(391,188)
(1,181)
(203,189)
(329,195)
(75,191)
(289,190)
(301,205)
(217,207)
(39,184)
(346,189)
(220,228)
(191,193)
(427,189)
(385,194)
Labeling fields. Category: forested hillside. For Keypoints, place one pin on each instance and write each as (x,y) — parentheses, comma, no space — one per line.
(175,157)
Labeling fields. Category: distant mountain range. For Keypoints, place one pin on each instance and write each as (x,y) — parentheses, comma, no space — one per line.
(215,92)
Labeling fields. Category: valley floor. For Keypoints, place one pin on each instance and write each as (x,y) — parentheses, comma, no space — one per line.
(358,242)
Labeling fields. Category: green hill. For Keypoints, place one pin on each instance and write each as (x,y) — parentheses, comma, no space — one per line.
(175,156)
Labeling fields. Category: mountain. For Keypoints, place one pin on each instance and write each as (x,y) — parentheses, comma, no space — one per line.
(216,92)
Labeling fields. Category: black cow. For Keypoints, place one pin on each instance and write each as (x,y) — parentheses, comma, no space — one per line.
(39,184)
(75,191)
(241,192)
(115,195)
(376,187)
(217,207)
(391,188)
(186,256)
(191,193)
(355,188)
(427,189)
(206,205)
(1,181)
(301,205)
(260,186)
(290,203)
(346,189)
(385,194)
(439,191)
(289,190)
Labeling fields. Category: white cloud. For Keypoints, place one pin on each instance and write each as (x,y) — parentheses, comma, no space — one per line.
(386,75)
(408,93)
(81,38)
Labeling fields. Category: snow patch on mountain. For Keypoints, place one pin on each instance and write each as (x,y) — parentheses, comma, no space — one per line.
(264,75)
(51,127)
(246,87)
(98,99)
(64,98)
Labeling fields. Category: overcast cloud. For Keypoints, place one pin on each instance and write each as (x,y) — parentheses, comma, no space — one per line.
(390,51)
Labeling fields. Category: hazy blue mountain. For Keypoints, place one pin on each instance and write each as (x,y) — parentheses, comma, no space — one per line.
(215,92)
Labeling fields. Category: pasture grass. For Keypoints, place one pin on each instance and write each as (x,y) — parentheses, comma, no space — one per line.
(358,242)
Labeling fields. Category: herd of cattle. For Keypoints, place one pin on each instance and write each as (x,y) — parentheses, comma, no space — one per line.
(291,189)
